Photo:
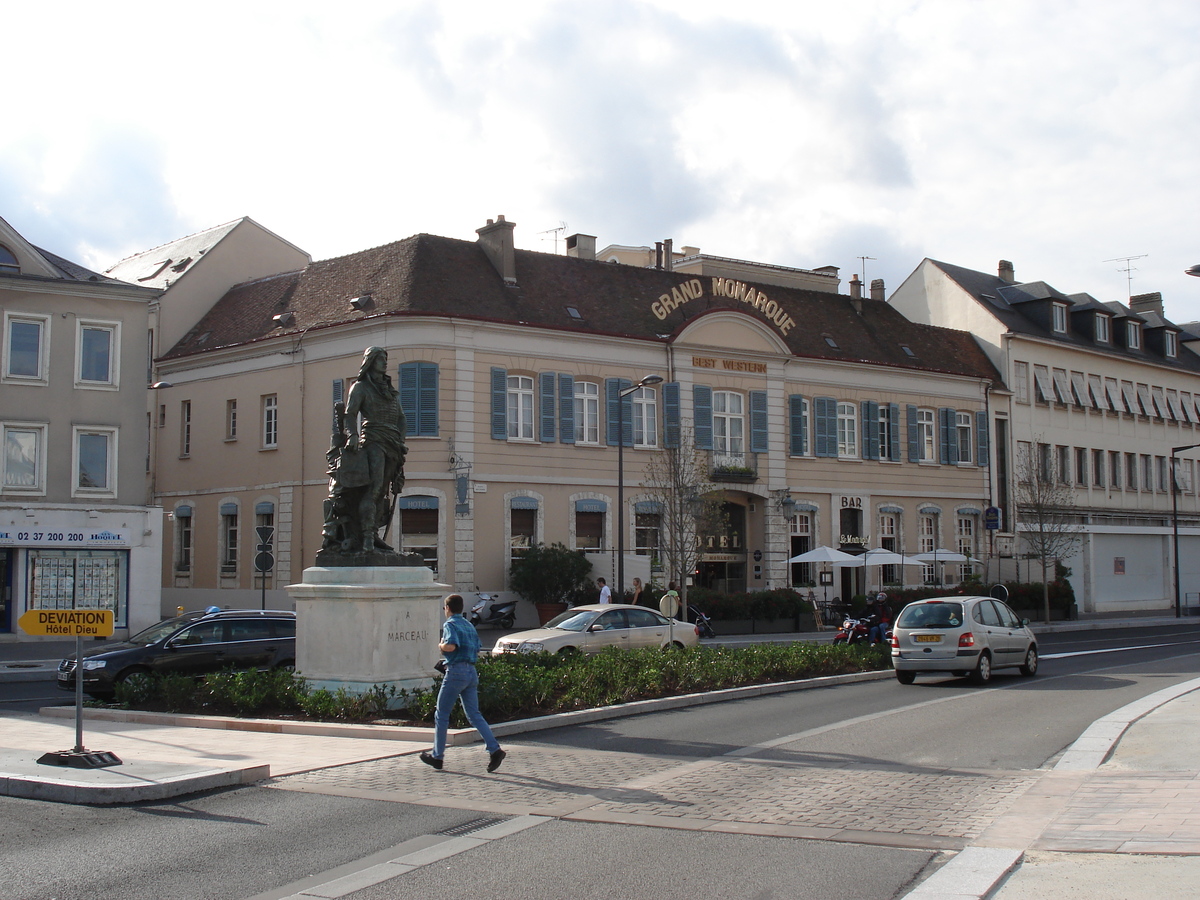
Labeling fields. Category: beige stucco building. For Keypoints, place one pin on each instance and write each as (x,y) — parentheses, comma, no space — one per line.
(826,419)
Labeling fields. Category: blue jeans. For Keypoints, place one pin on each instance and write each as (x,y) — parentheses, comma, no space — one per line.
(461,681)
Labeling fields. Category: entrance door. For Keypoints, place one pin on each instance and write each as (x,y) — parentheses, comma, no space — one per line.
(6,590)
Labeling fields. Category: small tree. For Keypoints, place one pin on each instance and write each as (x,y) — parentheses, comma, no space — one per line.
(549,574)
(690,506)
(1047,511)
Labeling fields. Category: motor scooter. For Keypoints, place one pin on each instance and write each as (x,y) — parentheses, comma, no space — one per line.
(858,631)
(491,610)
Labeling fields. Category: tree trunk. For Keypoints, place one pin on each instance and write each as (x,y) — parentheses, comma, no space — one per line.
(1045,593)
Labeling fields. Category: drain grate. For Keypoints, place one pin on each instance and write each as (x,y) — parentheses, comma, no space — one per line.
(473,826)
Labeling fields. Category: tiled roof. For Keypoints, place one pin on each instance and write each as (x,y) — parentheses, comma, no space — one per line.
(75,272)
(163,265)
(430,275)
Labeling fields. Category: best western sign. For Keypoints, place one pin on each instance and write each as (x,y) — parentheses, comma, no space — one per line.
(67,622)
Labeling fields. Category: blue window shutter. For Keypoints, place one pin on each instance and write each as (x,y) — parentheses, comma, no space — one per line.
(546,405)
(825,427)
(500,404)
(427,399)
(943,437)
(870,429)
(797,439)
(408,377)
(566,409)
(671,414)
(759,437)
(702,420)
(981,436)
(339,396)
(612,398)
(894,431)
(914,436)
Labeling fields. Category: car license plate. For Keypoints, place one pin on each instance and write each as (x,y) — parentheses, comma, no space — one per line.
(927,638)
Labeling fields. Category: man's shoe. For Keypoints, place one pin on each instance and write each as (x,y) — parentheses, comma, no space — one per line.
(495,760)
(430,760)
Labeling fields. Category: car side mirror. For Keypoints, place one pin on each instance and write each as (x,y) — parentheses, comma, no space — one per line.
(595,628)
(1024,623)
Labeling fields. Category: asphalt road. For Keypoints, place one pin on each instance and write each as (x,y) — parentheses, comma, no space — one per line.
(262,842)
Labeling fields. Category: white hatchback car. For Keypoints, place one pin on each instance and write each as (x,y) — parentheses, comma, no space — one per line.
(587,629)
(963,636)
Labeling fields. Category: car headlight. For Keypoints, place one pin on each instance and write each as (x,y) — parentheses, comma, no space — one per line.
(90,664)
(532,647)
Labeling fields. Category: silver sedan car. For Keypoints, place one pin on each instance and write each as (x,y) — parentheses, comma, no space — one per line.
(587,629)
(963,636)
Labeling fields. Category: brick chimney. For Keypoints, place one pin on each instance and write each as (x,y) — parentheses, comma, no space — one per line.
(877,289)
(1006,273)
(856,288)
(581,246)
(1144,303)
(496,239)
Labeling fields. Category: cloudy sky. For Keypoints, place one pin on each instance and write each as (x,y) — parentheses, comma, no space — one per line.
(1058,134)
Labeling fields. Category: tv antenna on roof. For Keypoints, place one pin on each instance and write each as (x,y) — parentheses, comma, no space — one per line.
(863,260)
(561,229)
(1128,270)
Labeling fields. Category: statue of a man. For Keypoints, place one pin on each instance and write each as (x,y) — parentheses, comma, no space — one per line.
(381,441)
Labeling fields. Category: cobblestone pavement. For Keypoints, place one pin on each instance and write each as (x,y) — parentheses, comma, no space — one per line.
(938,810)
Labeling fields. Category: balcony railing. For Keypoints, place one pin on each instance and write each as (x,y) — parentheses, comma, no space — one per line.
(733,467)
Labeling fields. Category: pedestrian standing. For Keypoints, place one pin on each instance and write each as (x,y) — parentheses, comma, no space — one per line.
(605,591)
(668,604)
(637,592)
(460,650)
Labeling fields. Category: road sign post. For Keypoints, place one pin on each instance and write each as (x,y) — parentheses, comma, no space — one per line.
(264,559)
(79,623)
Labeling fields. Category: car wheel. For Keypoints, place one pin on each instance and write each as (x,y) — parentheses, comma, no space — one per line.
(906,677)
(135,680)
(568,651)
(288,665)
(674,645)
(983,669)
(1029,669)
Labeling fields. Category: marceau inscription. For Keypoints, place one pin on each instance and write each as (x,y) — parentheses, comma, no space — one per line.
(421,635)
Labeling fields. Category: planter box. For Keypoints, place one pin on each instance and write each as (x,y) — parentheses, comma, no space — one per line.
(733,626)
(736,477)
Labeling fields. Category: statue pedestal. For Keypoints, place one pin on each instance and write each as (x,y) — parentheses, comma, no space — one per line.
(360,627)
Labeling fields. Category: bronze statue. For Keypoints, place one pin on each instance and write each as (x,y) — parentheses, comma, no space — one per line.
(365,467)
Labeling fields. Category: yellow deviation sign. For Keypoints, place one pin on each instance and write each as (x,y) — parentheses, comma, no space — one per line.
(68,622)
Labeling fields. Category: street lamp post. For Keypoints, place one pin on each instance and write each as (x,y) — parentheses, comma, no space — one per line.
(621,397)
(1175,517)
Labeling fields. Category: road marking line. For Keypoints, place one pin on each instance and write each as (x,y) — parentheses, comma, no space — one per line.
(1115,649)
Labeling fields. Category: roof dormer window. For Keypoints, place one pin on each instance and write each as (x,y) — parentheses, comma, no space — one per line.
(1060,317)
(1103,332)
(8,262)
(1170,344)
(1133,335)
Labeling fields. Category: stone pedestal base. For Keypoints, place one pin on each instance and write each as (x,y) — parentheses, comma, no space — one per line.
(360,627)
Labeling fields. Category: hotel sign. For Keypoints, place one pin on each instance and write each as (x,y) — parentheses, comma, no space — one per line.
(728,288)
(729,365)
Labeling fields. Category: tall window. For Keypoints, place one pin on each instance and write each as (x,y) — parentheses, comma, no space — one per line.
(95,469)
(645,417)
(183,540)
(887,540)
(847,425)
(1102,330)
(24,346)
(1098,468)
(927,543)
(801,528)
(926,435)
(728,424)
(1045,463)
(522,531)
(95,364)
(887,433)
(587,412)
(520,407)
(231,420)
(1060,318)
(1114,470)
(964,532)
(963,432)
(1170,345)
(589,530)
(23,462)
(419,528)
(1021,381)
(1161,466)
(1147,472)
(1133,335)
(1064,465)
(1131,471)
(229,539)
(185,427)
(1081,466)
(270,422)
(647,530)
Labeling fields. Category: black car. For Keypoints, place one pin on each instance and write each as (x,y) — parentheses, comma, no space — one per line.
(195,643)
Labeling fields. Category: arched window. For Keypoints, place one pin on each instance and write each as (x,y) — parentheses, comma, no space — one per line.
(8,262)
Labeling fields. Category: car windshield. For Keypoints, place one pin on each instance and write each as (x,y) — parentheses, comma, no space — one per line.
(156,633)
(931,615)
(572,620)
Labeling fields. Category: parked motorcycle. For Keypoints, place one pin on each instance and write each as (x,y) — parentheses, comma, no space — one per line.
(858,631)
(491,610)
(703,623)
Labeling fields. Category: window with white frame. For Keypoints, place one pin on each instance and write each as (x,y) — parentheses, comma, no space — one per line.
(1170,344)
(801,529)
(1064,465)
(270,422)
(1098,468)
(185,427)
(8,262)
(522,531)
(1060,318)
(647,530)
(888,440)
(24,458)
(96,354)
(1114,470)
(1147,472)
(1161,466)
(1081,466)
(183,540)
(520,408)
(964,533)
(25,341)
(231,420)
(1131,471)
(95,451)
(963,434)
(587,412)
(927,543)
(926,435)
(888,541)
(1021,381)
(229,539)
(1103,333)
(645,417)
(729,425)
(1133,335)
(847,430)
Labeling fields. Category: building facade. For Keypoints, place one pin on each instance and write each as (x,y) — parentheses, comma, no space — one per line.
(1100,394)
(76,530)
(824,419)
